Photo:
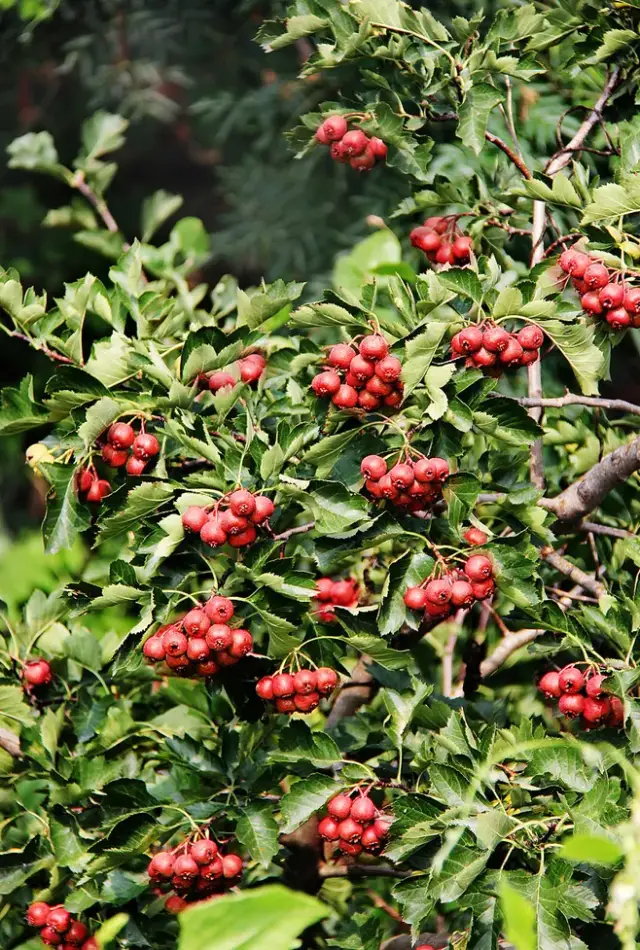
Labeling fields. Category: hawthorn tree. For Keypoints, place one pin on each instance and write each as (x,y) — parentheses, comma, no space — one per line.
(400,516)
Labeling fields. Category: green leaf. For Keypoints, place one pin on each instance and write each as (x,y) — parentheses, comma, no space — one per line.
(99,417)
(156,209)
(269,917)
(326,452)
(419,352)
(66,516)
(256,308)
(18,411)
(257,830)
(474,115)
(462,280)
(519,918)
(106,934)
(36,152)
(576,343)
(103,132)
(13,706)
(505,420)
(590,849)
(326,315)
(297,743)
(460,492)
(142,501)
(305,798)
(613,200)
(333,507)
(613,41)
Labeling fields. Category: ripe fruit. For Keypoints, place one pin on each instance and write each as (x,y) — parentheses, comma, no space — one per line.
(339,153)
(364,162)
(462,594)
(363,810)
(204,851)
(512,353)
(99,489)
(401,475)
(373,347)
(251,368)
(478,568)
(373,466)
(231,865)
(264,688)
(549,685)
(595,710)
(332,129)
(616,713)
(378,147)
(121,435)
(37,673)
(194,518)
(531,337)
(361,368)
(328,829)
(470,339)
(571,705)
(370,840)
(596,276)
(242,502)
(76,934)
(37,914)
(145,446)
(161,865)
(196,622)
(574,262)
(345,398)
(496,339)
(326,680)
(632,300)
(591,303)
(50,936)
(185,866)
(339,807)
(341,355)
(174,642)
(59,919)
(475,536)
(389,369)
(154,649)
(354,142)
(116,458)
(283,685)
(174,905)
(326,384)
(483,589)
(219,609)
(241,643)
(264,509)
(304,681)
(416,598)
(571,680)
(197,649)
(618,319)
(612,295)
(350,830)
(593,686)
(232,523)
(212,533)
(135,466)
(220,379)
(219,637)
(444,254)
(438,592)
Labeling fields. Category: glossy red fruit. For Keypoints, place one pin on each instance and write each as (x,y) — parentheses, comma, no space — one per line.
(76,934)
(195,622)
(483,589)
(179,664)
(326,680)
(194,518)
(616,713)
(145,446)
(571,705)
(512,353)
(242,502)
(185,867)
(100,488)
(305,682)
(437,610)
(220,379)
(401,475)
(531,337)
(444,254)
(264,688)
(346,397)
(306,703)
(59,919)
(370,840)
(341,355)
(475,536)
(339,807)
(204,851)
(363,809)
(219,609)
(438,592)
(378,147)
(529,356)
(116,458)
(173,905)
(478,568)
(612,295)
(212,533)
(207,668)
(328,829)
(213,870)
(85,480)
(438,223)
(350,830)
(243,538)
(368,401)
(135,466)
(389,369)
(441,468)
(251,368)
(424,239)
(483,358)
(496,339)
(416,598)
(263,510)
(591,303)
(232,523)
(470,339)
(461,247)
(219,637)
(387,488)
(618,319)
(354,142)
(339,153)
(549,685)
(352,848)
(241,643)
(425,946)
(283,685)
(393,400)
(364,162)
(37,914)
(174,642)
(381,826)
(373,347)
(154,649)
(37,673)
(462,594)
(373,466)
(197,649)
(231,866)
(161,865)
(593,686)
(324,586)
(571,680)
(333,128)
(574,262)
(285,704)
(361,368)
(596,710)
(121,435)
(50,936)
(632,300)
(596,276)
(326,383)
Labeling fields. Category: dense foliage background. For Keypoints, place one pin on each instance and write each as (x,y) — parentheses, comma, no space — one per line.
(160,164)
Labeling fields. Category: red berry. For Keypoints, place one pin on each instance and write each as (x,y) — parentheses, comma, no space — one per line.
(185,866)
(328,829)
(231,866)
(341,355)
(531,337)
(194,518)
(354,142)
(195,622)
(145,446)
(179,664)
(306,703)
(612,295)
(462,594)
(154,649)
(381,826)
(285,704)
(387,488)
(220,379)
(401,475)
(512,353)
(343,593)
(574,263)
(212,533)
(121,435)
(616,714)
(241,643)
(438,592)
(100,488)
(346,397)
(549,685)
(264,688)
(444,254)
(326,680)
(204,851)
(368,401)
(425,239)
(571,705)
(219,637)
(475,536)
(283,685)
(478,568)
(378,147)
(496,339)
(197,649)
(242,502)
(305,681)
(161,865)
(483,589)
(116,458)
(243,538)
(373,487)
(207,668)
(571,680)
(591,303)
(593,687)
(373,466)
(438,223)
(484,357)
(263,510)
(339,153)
(326,383)
(59,919)
(84,480)
(441,468)
(174,642)
(173,905)
(50,936)
(76,934)
(251,368)
(632,300)
(370,841)
(596,710)
(462,247)
(416,598)
(361,368)
(389,369)
(350,830)
(393,400)
(37,673)
(37,914)
(354,381)
(373,347)
(352,848)
(470,339)
(135,466)
(363,810)
(364,162)
(232,523)
(339,807)
(324,587)
(529,356)
(618,319)
(219,609)
(596,276)
(333,128)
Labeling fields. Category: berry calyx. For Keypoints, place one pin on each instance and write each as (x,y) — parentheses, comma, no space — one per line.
(121,435)
(571,680)
(145,446)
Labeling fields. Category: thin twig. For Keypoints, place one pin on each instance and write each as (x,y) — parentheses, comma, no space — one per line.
(355,871)
(300,529)
(10,742)
(562,240)
(511,155)
(42,348)
(577,575)
(605,530)
(80,184)
(572,399)
(505,648)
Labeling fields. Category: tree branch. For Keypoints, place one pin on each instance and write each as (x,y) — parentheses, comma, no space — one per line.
(509,645)
(577,575)
(300,529)
(605,530)
(80,184)
(511,155)
(42,348)
(357,871)
(10,742)
(355,693)
(572,399)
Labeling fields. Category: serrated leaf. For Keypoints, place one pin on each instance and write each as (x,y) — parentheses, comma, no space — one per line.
(474,115)
(142,501)
(257,830)
(460,492)
(613,41)
(326,315)
(462,280)
(576,343)
(18,410)
(419,352)
(613,200)
(156,209)
(305,798)
(66,515)
(98,418)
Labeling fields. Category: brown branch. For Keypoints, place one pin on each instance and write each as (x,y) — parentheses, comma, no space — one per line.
(509,645)
(359,690)
(572,399)
(605,530)
(585,495)
(574,236)
(80,184)
(511,155)
(578,576)
(10,742)
(300,529)
(356,871)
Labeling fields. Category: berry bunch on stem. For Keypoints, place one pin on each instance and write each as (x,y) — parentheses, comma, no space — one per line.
(350,146)
(410,483)
(298,691)
(582,695)
(448,589)
(442,242)
(232,519)
(368,379)
(331,594)
(354,824)
(248,370)
(195,869)
(201,642)
(603,292)
(494,349)
(58,928)
(124,448)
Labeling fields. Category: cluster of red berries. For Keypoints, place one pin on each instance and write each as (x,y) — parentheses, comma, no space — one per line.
(90,486)
(441,241)
(249,369)
(440,596)
(602,292)
(409,484)
(58,928)
(352,146)
(354,824)
(36,673)
(331,594)
(121,438)
(297,692)
(365,380)
(583,695)
(235,523)
(495,349)
(195,870)
(201,642)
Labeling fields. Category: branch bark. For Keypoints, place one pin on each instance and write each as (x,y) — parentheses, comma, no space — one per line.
(505,648)
(359,691)
(300,529)
(511,155)
(578,576)
(10,742)
(573,399)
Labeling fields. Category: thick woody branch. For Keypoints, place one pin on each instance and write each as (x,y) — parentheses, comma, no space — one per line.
(10,742)
(585,495)
(578,576)
(356,871)
(358,691)
(507,646)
